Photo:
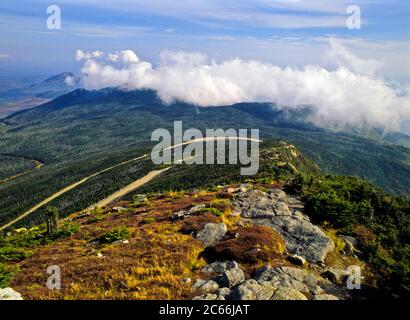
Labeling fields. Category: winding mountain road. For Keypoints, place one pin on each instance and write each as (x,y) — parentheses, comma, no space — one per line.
(134,185)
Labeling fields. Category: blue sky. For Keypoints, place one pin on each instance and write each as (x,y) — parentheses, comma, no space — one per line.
(284,32)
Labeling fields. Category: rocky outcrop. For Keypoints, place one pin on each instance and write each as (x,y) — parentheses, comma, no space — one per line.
(220,267)
(288,277)
(181,214)
(252,290)
(212,233)
(205,286)
(337,276)
(231,277)
(267,283)
(306,247)
(10,294)
(282,213)
(288,294)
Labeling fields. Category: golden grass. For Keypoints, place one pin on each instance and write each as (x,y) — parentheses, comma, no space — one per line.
(151,266)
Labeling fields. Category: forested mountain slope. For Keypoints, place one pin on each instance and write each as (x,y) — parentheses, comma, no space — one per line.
(85,131)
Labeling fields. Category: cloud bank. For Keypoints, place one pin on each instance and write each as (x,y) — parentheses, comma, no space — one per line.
(351,95)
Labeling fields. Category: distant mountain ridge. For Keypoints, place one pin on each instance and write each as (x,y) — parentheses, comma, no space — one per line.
(123,118)
(25,96)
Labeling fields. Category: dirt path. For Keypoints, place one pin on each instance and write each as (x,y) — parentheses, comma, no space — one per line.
(76,184)
(127,189)
(62,191)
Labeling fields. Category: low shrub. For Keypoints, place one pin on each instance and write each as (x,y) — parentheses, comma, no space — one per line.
(248,245)
(65,230)
(213,211)
(119,233)
(6,274)
(12,254)
(148,220)
(197,223)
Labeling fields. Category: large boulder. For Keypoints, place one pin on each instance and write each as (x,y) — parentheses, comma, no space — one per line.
(302,237)
(206,296)
(231,278)
(252,290)
(337,276)
(10,294)
(212,233)
(205,286)
(288,277)
(283,277)
(223,292)
(288,294)
(219,267)
(282,213)
(253,204)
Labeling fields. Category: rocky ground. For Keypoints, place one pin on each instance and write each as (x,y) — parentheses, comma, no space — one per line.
(243,242)
(305,244)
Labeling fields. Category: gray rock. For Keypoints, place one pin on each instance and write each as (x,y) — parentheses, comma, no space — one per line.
(281,209)
(325,297)
(352,240)
(223,292)
(252,290)
(314,284)
(288,277)
(232,264)
(219,267)
(277,194)
(301,237)
(178,215)
(212,233)
(231,278)
(207,296)
(254,204)
(337,276)
(297,260)
(288,294)
(10,294)
(205,286)
(300,216)
(350,243)
(282,214)
(349,248)
(181,214)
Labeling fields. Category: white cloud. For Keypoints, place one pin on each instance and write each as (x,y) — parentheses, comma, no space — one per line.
(4,56)
(69,81)
(344,58)
(82,55)
(351,95)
